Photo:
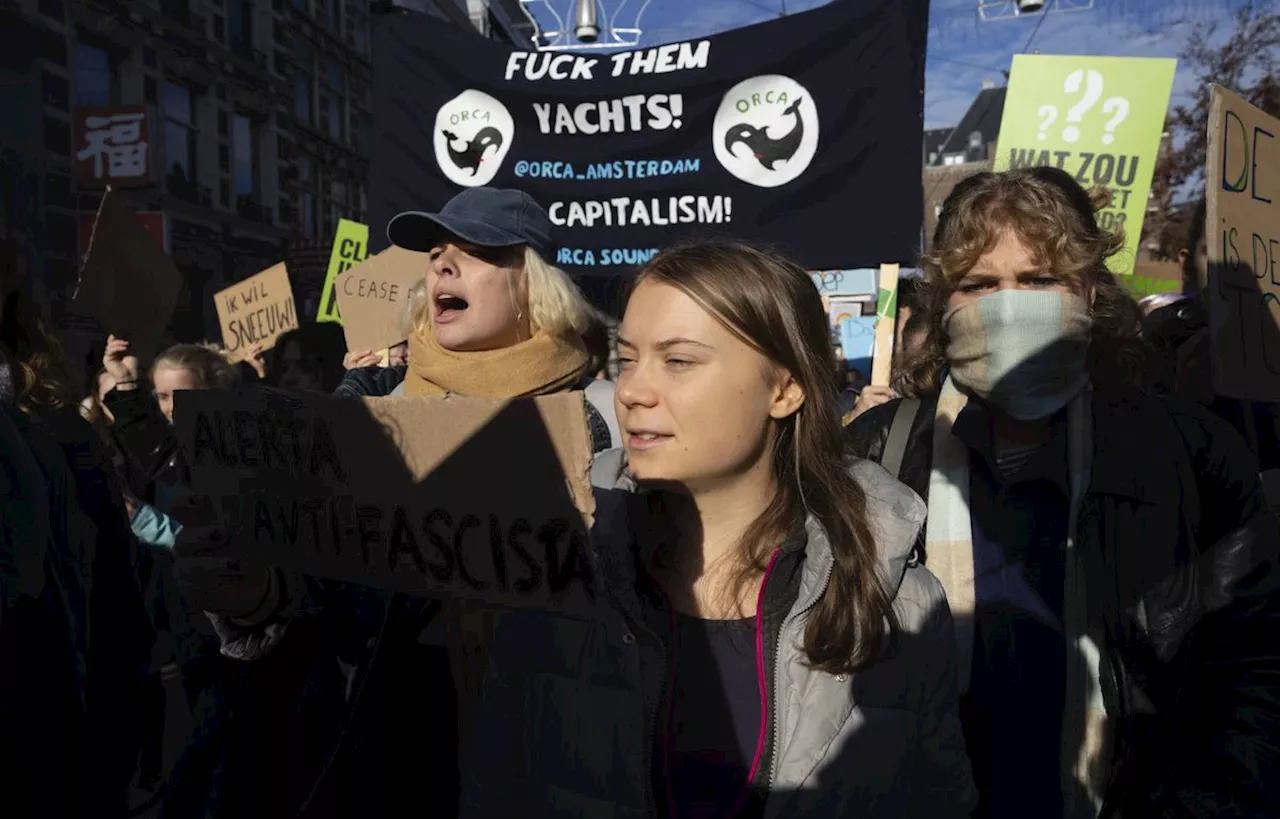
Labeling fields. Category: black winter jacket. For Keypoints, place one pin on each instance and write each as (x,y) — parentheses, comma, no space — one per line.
(73,662)
(1183,578)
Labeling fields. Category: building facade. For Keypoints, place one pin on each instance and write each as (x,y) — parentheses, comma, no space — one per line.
(241,127)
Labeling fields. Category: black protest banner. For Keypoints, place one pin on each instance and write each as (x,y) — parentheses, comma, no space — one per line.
(802,132)
(426,496)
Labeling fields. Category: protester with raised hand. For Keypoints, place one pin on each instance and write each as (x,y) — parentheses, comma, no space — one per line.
(1114,571)
(494,319)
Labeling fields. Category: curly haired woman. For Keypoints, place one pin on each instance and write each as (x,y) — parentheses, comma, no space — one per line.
(1108,556)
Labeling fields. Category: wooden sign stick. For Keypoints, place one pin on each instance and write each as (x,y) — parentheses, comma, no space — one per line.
(886,317)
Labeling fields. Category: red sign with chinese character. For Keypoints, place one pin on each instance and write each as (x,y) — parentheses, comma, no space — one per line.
(113,146)
(153,221)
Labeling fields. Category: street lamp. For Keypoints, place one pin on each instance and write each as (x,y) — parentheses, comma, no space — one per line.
(587,29)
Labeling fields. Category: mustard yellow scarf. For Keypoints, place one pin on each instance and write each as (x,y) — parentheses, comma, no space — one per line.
(544,364)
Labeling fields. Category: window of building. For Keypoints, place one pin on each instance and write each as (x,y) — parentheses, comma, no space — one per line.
(57,190)
(53,47)
(149,56)
(61,229)
(309,215)
(303,80)
(224,193)
(222,123)
(219,28)
(303,164)
(93,76)
(51,9)
(242,133)
(179,10)
(220,91)
(240,27)
(224,158)
(360,132)
(149,89)
(302,96)
(179,136)
(303,6)
(56,92)
(57,136)
(332,104)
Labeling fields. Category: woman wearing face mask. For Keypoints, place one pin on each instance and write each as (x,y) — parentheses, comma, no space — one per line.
(763,647)
(497,321)
(1108,557)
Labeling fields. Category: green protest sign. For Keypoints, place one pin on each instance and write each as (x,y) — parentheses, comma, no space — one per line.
(350,247)
(1098,118)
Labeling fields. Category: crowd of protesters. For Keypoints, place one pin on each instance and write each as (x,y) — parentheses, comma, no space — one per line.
(1037,575)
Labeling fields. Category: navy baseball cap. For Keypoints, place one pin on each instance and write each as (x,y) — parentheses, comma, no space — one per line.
(486,217)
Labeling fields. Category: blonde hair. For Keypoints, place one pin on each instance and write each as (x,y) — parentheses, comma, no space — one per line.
(414,306)
(554,304)
(207,364)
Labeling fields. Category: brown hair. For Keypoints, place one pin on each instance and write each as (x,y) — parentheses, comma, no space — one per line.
(1049,211)
(771,304)
(207,366)
(41,377)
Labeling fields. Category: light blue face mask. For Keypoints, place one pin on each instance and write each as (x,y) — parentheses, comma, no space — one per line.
(1022,351)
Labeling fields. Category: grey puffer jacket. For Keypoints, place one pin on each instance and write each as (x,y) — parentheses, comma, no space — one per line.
(568,708)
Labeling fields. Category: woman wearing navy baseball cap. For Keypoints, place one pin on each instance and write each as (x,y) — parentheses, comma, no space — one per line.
(498,320)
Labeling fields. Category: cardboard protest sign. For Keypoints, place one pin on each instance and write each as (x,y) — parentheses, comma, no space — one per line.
(772,132)
(1242,188)
(257,310)
(373,294)
(350,248)
(845,282)
(128,283)
(477,498)
(1098,118)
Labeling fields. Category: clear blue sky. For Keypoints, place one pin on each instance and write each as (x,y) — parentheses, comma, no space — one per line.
(963,51)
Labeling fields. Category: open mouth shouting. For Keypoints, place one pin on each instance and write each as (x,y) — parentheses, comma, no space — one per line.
(449,307)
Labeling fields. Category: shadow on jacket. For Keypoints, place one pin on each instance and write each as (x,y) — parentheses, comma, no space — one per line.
(1183,577)
(569,707)
(349,711)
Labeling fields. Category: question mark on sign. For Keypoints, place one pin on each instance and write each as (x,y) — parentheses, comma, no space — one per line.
(1050,115)
(1092,93)
(1120,106)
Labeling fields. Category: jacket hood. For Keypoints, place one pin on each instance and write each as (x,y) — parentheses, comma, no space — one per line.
(895,514)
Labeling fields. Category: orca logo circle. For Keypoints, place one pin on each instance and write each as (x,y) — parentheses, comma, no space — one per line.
(472,136)
(766,130)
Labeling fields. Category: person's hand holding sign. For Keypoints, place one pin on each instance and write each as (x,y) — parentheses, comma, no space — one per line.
(360,358)
(120,364)
(258,360)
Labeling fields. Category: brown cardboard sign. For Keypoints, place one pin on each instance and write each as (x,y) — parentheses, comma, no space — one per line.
(1242,187)
(113,146)
(372,297)
(257,310)
(128,283)
(417,495)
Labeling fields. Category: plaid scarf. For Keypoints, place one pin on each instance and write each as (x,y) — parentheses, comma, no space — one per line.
(949,547)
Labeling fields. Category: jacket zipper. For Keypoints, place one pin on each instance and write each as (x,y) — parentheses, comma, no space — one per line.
(777,674)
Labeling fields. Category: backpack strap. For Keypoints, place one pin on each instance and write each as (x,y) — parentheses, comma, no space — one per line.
(895,448)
